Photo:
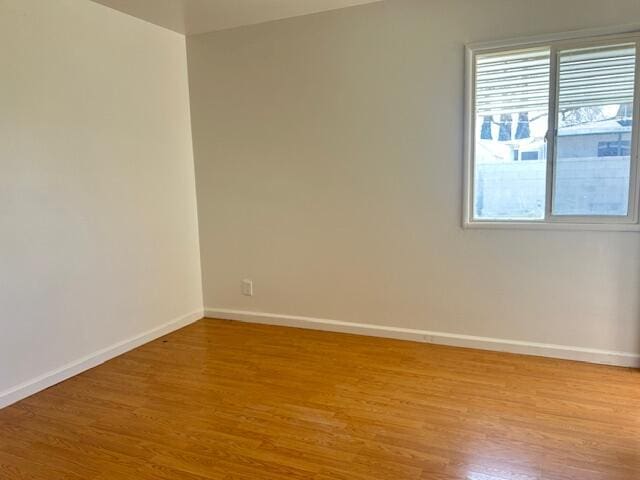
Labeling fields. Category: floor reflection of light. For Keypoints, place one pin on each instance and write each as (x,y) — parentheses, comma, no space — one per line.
(481,476)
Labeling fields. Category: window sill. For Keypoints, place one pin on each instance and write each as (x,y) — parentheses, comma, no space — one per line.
(540,225)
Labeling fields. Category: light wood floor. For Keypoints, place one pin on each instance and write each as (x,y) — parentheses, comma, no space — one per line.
(225,400)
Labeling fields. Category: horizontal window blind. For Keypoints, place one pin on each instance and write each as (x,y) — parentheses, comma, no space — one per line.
(597,76)
(512,82)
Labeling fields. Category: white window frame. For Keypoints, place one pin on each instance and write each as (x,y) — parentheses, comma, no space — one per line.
(631,222)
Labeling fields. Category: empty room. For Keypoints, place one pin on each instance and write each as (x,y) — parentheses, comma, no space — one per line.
(319,239)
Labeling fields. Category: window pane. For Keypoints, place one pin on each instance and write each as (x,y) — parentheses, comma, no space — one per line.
(512,97)
(595,119)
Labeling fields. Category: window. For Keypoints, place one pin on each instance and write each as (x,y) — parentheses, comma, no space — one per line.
(552,133)
(619,148)
(530,156)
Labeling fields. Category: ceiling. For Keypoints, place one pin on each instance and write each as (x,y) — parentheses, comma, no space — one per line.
(198,16)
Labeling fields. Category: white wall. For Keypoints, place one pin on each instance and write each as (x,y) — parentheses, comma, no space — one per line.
(329,170)
(98,222)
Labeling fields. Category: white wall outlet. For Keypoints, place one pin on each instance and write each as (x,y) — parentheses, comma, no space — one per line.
(247,287)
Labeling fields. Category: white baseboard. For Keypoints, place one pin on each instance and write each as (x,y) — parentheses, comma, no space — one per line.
(622,359)
(49,379)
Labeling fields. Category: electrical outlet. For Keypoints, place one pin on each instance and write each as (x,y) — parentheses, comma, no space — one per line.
(247,287)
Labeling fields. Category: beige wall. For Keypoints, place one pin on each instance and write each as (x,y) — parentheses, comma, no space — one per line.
(329,170)
(98,223)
